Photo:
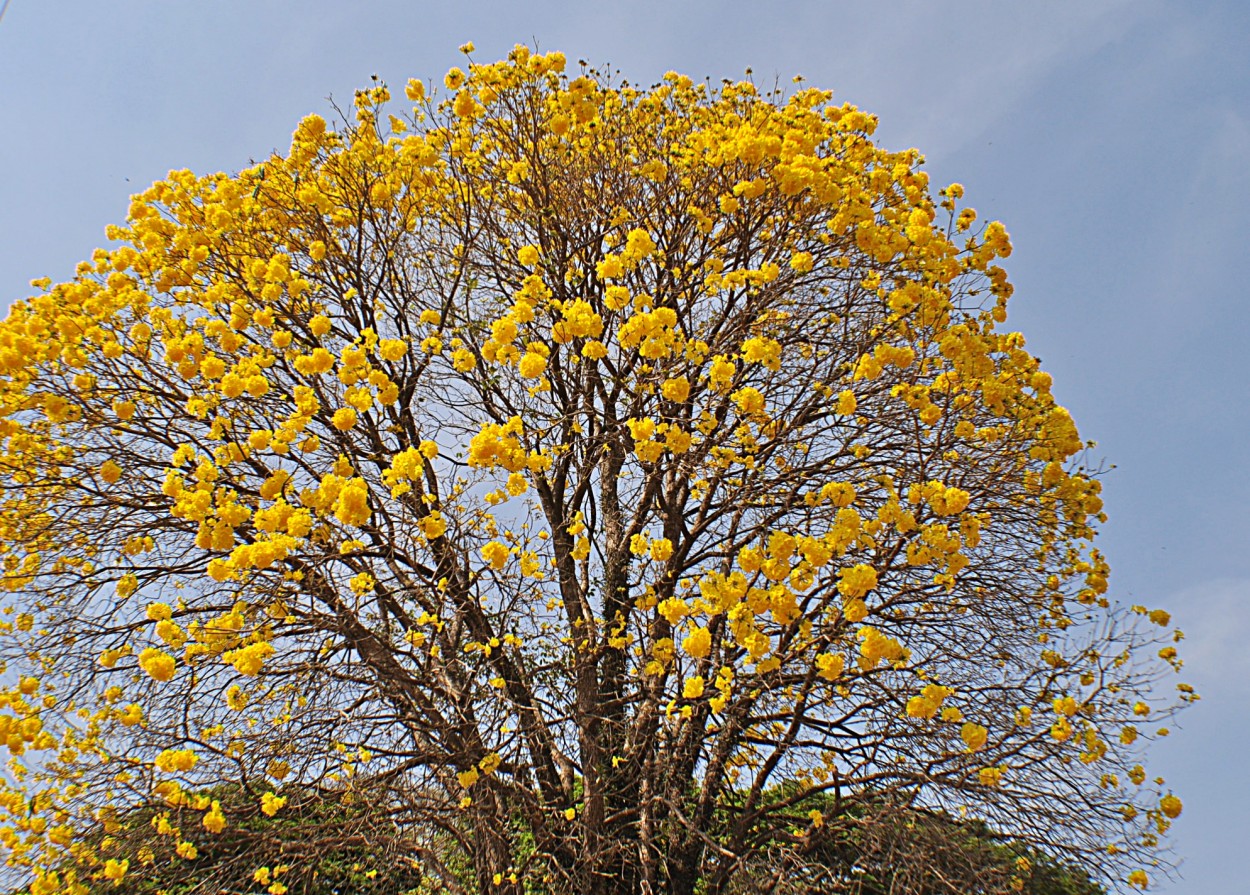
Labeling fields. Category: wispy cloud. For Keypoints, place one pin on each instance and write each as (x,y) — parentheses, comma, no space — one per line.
(1215,616)
(947,78)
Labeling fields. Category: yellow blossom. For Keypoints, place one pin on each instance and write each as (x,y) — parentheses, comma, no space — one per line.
(974,736)
(271,803)
(344,418)
(158,664)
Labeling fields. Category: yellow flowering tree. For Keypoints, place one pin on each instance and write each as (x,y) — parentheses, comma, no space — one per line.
(590,480)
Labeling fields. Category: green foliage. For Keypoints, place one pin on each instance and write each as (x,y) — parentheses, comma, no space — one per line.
(328,846)
(858,848)
(878,848)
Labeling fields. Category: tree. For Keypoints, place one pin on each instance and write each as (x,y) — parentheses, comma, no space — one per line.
(560,469)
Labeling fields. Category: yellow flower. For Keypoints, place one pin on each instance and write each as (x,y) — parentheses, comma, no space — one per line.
(434,525)
(854,610)
(661,549)
(920,707)
(857,581)
(1061,730)
(271,803)
(496,554)
(463,360)
(528,256)
(344,418)
(974,736)
(749,400)
(517,484)
(674,609)
(610,268)
(698,643)
(990,776)
(1065,706)
(830,666)
(616,297)
(250,659)
(676,389)
(721,373)
(172,760)
(214,821)
(490,763)
(392,349)
(532,365)
(762,351)
(157,663)
(320,325)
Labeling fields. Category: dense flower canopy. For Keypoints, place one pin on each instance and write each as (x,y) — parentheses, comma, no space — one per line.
(614,489)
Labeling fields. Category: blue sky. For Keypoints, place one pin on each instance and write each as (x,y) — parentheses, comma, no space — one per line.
(1110,136)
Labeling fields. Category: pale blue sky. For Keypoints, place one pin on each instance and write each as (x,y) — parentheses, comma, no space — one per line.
(1111,136)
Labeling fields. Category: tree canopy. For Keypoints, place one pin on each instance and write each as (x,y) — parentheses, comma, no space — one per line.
(590,489)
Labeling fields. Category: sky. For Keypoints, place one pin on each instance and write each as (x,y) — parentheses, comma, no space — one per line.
(1110,136)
